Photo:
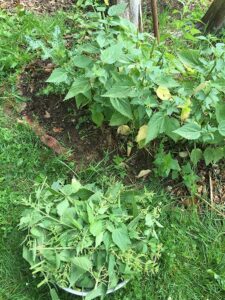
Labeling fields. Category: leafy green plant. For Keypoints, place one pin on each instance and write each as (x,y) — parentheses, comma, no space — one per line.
(123,78)
(80,237)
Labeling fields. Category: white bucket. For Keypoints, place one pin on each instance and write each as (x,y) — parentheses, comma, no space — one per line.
(85,293)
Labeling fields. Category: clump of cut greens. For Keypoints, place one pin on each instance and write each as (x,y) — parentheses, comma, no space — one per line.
(81,237)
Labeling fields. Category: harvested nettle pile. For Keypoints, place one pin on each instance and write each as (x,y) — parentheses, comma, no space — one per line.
(169,102)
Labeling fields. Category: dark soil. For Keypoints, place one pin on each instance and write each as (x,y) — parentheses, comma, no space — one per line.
(62,119)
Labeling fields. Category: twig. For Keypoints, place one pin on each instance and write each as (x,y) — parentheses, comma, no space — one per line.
(211,189)
(212,206)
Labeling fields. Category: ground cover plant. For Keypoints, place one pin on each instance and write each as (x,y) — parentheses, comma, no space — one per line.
(191,265)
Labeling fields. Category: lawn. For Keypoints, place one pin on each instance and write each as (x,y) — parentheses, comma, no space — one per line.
(192,262)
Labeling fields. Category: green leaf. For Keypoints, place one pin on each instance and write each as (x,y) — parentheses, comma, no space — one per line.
(213,155)
(58,75)
(190,131)
(208,155)
(196,155)
(96,228)
(99,239)
(97,292)
(116,10)
(221,128)
(82,61)
(80,86)
(82,262)
(190,58)
(54,294)
(155,126)
(121,239)
(171,124)
(61,207)
(120,90)
(117,119)
(149,221)
(220,112)
(112,54)
(123,107)
(75,274)
(97,117)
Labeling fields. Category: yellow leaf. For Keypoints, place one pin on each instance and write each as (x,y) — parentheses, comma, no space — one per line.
(186,110)
(185,113)
(106,2)
(163,93)
(143,173)
(129,148)
(123,130)
(142,133)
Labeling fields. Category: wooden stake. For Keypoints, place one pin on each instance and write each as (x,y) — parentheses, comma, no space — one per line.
(155,19)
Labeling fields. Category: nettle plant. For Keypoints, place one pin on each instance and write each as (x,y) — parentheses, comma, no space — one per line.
(81,237)
(148,91)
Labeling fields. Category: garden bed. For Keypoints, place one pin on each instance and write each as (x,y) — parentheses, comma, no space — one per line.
(73,128)
(88,144)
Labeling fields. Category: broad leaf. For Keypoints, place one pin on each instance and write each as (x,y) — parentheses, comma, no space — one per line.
(81,61)
(155,126)
(220,112)
(221,128)
(121,90)
(112,54)
(118,119)
(190,131)
(123,107)
(80,86)
(61,207)
(196,155)
(121,239)
(116,10)
(82,262)
(58,75)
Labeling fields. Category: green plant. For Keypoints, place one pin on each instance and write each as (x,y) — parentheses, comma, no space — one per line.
(125,79)
(83,238)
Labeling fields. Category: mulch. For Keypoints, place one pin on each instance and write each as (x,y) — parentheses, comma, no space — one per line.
(45,6)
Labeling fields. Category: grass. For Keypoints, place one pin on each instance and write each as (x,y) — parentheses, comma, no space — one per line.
(192,266)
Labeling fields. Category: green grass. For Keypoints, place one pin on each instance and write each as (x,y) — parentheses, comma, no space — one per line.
(193,242)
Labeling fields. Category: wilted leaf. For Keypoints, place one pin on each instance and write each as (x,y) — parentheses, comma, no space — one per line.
(142,133)
(163,93)
(143,173)
(123,130)
(57,129)
(47,115)
(129,148)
